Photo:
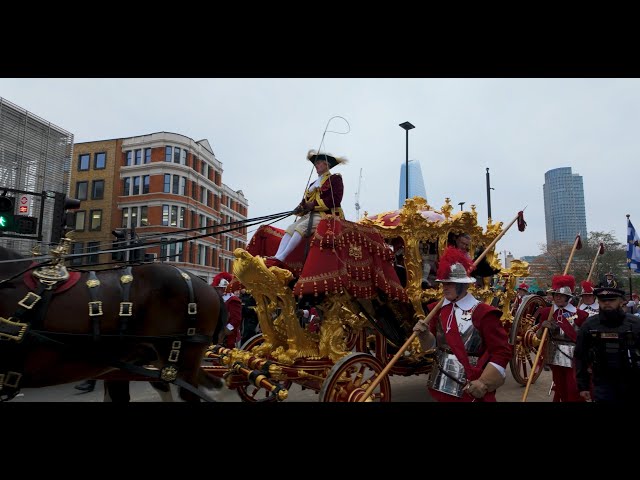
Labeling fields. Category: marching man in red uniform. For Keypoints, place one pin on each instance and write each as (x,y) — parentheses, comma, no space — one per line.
(472,345)
(563,332)
(230,334)
(588,301)
(321,198)
(523,289)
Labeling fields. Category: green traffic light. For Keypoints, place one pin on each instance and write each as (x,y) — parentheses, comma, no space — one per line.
(6,222)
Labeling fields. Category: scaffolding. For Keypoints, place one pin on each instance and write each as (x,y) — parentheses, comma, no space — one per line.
(35,156)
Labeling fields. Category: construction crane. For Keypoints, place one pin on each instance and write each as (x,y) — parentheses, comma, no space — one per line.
(358,197)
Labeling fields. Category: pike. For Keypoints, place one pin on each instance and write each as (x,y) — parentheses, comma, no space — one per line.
(521,226)
(600,252)
(577,245)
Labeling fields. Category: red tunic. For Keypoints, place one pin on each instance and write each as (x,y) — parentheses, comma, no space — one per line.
(234,307)
(330,192)
(564,378)
(495,346)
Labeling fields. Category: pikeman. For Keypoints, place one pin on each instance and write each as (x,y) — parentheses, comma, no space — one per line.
(588,301)
(523,290)
(321,198)
(563,327)
(472,345)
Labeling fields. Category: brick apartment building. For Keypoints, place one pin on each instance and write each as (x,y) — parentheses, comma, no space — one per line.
(161,185)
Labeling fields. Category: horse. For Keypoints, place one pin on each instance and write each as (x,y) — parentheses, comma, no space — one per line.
(149,321)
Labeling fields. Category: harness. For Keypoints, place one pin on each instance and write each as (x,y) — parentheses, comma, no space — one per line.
(24,326)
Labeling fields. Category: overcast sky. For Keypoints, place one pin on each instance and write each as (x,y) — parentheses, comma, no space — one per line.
(261,130)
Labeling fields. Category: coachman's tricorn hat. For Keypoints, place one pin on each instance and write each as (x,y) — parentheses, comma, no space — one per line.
(314,156)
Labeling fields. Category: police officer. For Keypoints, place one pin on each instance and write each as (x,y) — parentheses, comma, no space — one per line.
(608,352)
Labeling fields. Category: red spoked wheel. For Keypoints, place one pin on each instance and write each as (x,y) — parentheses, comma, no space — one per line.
(351,376)
(524,351)
(249,392)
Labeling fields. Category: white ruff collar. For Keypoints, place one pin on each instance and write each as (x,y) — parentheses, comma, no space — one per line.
(568,308)
(465,303)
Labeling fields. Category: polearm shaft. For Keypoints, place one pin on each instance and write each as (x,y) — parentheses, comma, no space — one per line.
(599,252)
(546,330)
(406,345)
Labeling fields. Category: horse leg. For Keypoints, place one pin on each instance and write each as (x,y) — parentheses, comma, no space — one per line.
(164,390)
(116,391)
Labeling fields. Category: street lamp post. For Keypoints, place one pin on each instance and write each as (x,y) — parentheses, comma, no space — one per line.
(407,126)
(489,194)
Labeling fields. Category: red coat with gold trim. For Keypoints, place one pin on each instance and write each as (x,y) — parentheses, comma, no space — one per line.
(328,196)
(233,305)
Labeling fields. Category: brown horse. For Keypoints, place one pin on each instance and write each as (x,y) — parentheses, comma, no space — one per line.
(151,321)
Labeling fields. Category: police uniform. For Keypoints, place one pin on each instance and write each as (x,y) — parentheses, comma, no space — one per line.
(607,355)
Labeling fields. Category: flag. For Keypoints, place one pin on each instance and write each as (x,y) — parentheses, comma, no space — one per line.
(633,250)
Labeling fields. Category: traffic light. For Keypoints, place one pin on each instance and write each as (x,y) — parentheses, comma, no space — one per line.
(62,220)
(25,225)
(121,242)
(6,214)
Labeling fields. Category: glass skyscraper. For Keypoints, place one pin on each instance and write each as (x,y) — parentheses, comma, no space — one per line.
(564,210)
(416,183)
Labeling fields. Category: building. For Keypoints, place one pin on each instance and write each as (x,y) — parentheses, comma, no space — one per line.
(416,182)
(163,189)
(34,158)
(564,208)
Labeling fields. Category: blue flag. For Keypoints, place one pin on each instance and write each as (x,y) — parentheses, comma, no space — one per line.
(633,248)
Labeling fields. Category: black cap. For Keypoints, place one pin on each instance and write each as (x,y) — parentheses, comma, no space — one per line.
(323,156)
(605,293)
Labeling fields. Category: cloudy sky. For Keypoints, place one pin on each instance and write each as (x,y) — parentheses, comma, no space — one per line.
(261,130)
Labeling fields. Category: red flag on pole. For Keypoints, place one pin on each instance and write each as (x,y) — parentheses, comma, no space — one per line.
(521,223)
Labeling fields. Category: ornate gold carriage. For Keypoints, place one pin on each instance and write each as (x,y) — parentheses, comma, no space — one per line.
(369,281)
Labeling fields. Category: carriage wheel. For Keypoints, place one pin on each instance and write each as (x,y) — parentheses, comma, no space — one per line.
(350,377)
(249,392)
(524,353)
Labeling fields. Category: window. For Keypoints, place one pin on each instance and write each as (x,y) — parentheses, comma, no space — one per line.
(174,216)
(145,184)
(128,159)
(194,190)
(183,214)
(203,195)
(83,162)
(77,248)
(136,186)
(138,155)
(176,184)
(144,216)
(179,248)
(168,153)
(125,217)
(183,186)
(134,216)
(165,215)
(167,183)
(203,171)
(126,186)
(80,218)
(176,155)
(147,155)
(183,157)
(96,220)
(81,190)
(93,247)
(100,161)
(97,190)
(163,249)
(203,224)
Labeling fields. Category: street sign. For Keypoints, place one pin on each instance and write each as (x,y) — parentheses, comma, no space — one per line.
(24,204)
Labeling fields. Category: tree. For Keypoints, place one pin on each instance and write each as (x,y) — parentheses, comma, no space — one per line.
(554,257)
